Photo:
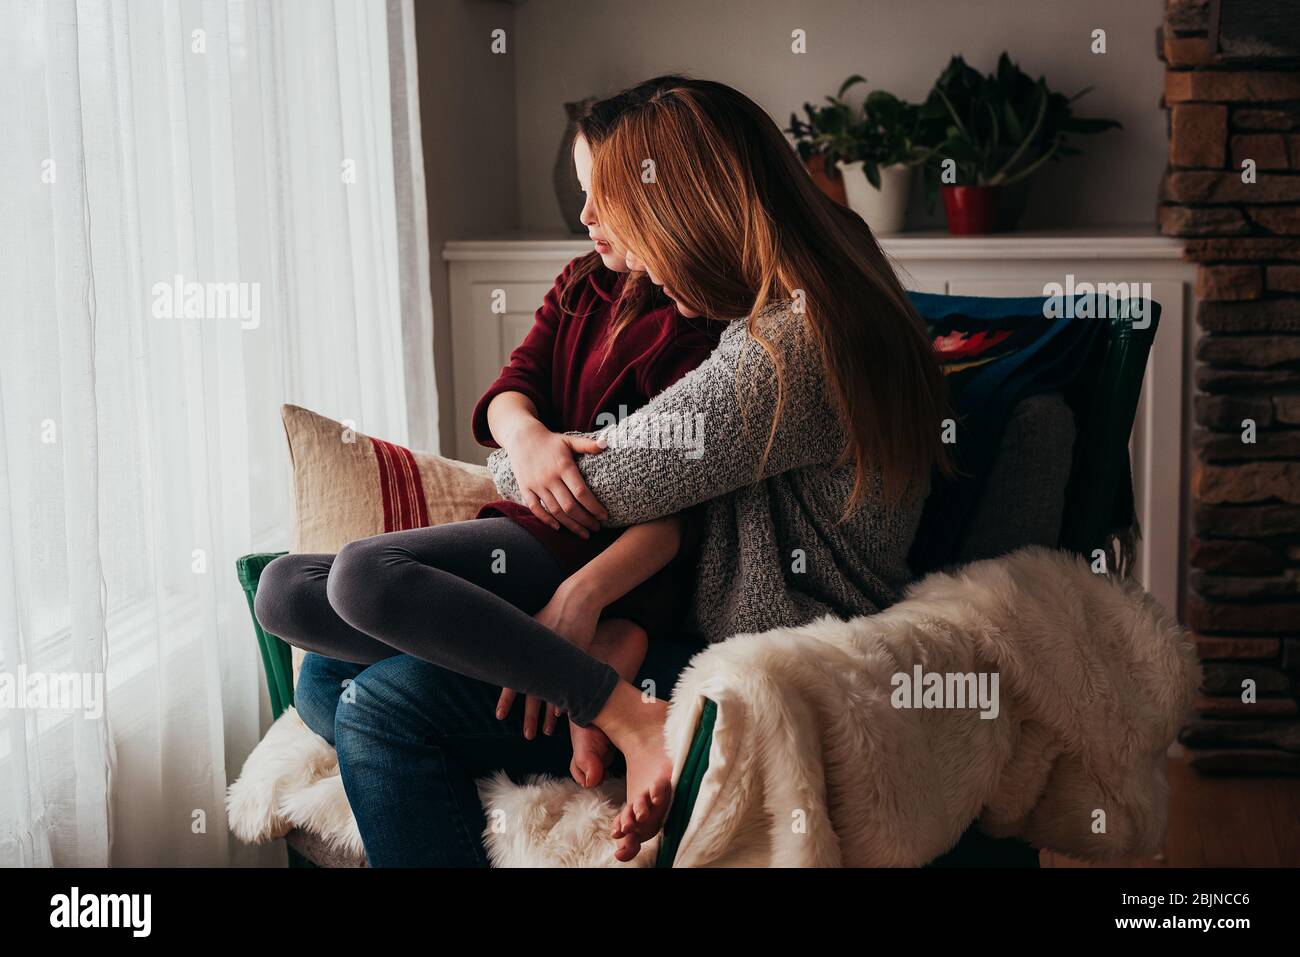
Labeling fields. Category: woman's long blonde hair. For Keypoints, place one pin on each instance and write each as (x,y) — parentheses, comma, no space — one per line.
(594,121)
(700,183)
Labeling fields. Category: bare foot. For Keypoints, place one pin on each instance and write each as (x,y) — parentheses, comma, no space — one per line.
(622,644)
(637,729)
(592,753)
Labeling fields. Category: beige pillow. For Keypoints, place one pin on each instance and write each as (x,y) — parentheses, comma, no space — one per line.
(347,485)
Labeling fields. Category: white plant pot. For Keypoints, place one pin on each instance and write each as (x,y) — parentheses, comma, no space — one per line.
(884,209)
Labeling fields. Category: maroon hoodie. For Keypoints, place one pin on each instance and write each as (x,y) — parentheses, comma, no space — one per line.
(563,368)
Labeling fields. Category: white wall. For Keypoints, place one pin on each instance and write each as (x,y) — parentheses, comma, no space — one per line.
(467,115)
(492,123)
(567,49)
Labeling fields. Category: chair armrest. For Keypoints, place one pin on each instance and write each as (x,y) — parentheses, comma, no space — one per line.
(277,658)
(688,786)
(1101,461)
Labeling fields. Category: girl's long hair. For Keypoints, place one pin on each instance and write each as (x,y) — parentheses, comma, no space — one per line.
(701,184)
(595,120)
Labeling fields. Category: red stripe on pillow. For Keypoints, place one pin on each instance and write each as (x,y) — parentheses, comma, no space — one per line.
(400,485)
(419,510)
(385,482)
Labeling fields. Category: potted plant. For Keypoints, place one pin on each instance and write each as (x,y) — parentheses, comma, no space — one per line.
(819,139)
(872,150)
(877,167)
(984,136)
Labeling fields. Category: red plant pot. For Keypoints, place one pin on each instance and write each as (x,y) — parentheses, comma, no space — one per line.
(971,209)
(831,184)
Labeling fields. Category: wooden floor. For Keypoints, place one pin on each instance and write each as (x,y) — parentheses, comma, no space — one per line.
(1223,822)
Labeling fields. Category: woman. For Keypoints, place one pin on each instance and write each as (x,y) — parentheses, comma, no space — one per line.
(822,404)
(821,408)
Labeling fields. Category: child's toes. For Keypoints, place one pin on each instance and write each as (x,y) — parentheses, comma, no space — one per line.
(629,846)
(587,770)
(641,807)
(626,823)
(578,772)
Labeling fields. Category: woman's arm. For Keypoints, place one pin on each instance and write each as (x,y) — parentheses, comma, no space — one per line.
(724,407)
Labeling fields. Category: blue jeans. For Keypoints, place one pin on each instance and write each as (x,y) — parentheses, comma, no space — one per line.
(412,737)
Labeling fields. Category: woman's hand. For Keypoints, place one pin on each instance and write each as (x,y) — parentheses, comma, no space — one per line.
(552,487)
(533,708)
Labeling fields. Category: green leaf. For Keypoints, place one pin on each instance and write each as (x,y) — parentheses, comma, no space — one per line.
(852,81)
(1015,132)
(999,176)
(952,111)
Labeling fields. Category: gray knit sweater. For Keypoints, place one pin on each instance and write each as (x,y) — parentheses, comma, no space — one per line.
(772,549)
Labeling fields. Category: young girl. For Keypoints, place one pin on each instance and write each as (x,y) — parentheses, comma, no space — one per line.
(600,345)
(593,353)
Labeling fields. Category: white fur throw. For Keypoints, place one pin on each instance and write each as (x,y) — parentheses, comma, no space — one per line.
(291,779)
(813,764)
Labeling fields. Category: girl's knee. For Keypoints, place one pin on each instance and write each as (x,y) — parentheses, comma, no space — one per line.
(280,595)
(357,583)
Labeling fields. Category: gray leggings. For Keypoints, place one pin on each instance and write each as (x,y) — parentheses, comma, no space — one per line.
(461,596)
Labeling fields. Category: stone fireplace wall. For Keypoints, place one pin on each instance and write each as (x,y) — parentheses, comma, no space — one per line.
(1232,92)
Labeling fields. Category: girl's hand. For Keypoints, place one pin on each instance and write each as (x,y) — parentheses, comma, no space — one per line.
(572,613)
(552,487)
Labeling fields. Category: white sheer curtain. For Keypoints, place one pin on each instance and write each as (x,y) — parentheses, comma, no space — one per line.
(267,151)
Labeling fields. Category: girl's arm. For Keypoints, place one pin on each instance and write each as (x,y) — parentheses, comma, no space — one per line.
(514,414)
(726,406)
(574,610)
(545,477)
(509,413)
(528,373)
(633,558)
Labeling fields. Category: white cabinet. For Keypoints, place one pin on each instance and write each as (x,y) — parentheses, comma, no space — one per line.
(497,284)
